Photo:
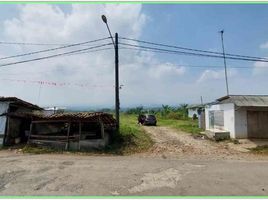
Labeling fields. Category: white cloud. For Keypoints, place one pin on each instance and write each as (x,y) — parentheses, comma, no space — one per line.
(264,45)
(166,70)
(215,75)
(50,24)
(260,68)
(146,79)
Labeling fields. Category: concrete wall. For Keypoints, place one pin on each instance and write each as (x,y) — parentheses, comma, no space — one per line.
(192,111)
(229,117)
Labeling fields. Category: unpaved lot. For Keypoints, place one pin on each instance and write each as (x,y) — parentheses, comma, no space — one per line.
(177,164)
(173,143)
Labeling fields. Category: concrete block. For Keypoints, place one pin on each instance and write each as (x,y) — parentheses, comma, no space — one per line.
(218,135)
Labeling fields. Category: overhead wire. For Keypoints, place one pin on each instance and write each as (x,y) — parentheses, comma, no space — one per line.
(54,55)
(192,49)
(190,53)
(54,49)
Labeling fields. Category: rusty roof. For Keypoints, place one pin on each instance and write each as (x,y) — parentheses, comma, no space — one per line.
(106,118)
(245,100)
(20,102)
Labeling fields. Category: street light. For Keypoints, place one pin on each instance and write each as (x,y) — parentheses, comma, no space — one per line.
(225,68)
(104,19)
(115,43)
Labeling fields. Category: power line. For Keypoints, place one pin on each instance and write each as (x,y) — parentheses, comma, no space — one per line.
(53,49)
(32,44)
(192,66)
(192,49)
(35,44)
(191,54)
(55,55)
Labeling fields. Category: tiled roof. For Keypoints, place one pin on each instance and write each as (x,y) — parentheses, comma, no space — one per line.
(106,118)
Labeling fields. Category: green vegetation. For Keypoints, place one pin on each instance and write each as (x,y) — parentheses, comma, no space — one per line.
(175,117)
(260,149)
(39,150)
(131,139)
(165,111)
(189,126)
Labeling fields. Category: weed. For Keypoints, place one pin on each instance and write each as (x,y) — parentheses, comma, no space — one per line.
(260,149)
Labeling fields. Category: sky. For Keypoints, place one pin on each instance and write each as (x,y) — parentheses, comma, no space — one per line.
(147,78)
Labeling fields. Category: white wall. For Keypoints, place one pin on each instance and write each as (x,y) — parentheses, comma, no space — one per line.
(192,111)
(229,116)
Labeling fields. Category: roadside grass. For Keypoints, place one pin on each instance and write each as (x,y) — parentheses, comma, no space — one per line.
(260,149)
(39,150)
(188,126)
(131,139)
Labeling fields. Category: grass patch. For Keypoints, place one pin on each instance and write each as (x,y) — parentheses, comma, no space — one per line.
(260,149)
(131,139)
(189,126)
(39,150)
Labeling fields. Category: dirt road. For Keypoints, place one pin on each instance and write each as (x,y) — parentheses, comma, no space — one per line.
(178,164)
(170,142)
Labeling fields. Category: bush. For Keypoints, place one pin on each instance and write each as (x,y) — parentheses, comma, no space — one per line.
(174,115)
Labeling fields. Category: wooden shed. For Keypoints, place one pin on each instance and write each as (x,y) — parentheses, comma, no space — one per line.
(14,126)
(76,131)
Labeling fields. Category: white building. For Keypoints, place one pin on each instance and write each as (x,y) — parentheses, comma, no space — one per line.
(243,116)
(53,110)
(194,110)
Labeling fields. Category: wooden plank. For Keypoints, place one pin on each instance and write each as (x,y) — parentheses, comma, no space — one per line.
(48,141)
(102,130)
(29,136)
(6,131)
(257,123)
(68,134)
(80,130)
(53,136)
(49,121)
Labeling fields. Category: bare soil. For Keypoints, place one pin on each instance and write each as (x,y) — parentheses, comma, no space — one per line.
(171,142)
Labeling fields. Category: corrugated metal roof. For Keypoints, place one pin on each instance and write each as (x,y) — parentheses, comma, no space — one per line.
(246,100)
(20,101)
(196,106)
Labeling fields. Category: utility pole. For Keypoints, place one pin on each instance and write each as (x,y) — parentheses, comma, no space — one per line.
(201,98)
(224,59)
(117,102)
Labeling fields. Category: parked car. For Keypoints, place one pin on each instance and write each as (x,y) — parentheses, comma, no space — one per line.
(147,119)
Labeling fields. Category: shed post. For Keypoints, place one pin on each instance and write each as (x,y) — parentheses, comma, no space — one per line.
(30,133)
(102,129)
(68,134)
(80,129)
(6,131)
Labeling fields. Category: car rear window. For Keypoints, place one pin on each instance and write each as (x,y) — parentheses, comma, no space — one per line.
(151,116)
